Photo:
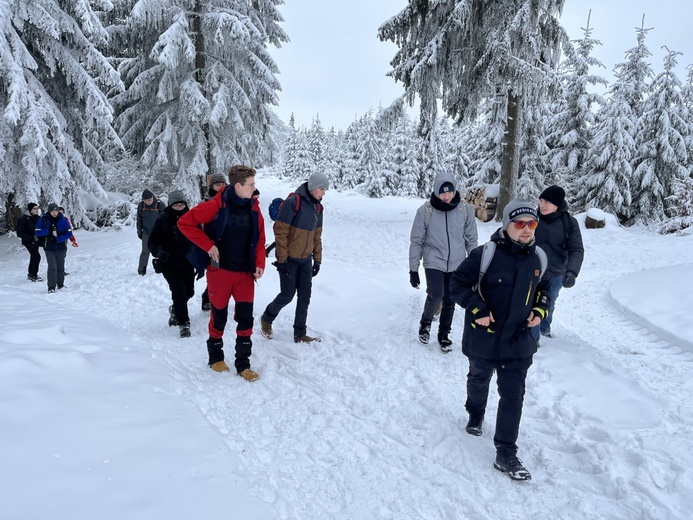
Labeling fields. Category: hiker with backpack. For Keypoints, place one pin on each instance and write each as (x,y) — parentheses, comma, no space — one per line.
(26,226)
(229,236)
(216,182)
(559,235)
(298,240)
(503,302)
(443,234)
(170,248)
(148,211)
(53,231)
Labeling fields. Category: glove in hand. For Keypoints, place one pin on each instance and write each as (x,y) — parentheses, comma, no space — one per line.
(569,279)
(414,279)
(316,269)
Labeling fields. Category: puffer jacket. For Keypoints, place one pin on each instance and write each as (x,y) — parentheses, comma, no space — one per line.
(55,230)
(167,238)
(450,235)
(298,228)
(26,226)
(511,289)
(559,235)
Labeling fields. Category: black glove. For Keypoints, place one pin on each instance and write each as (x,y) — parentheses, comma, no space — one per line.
(163,256)
(282,267)
(139,235)
(316,268)
(414,279)
(568,279)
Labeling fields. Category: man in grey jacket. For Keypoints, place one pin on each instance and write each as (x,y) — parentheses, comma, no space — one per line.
(443,234)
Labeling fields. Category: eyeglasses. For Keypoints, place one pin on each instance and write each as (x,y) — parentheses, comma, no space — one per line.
(252,185)
(520,224)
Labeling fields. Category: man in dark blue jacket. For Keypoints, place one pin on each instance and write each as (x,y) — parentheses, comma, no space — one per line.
(501,308)
(56,230)
(558,234)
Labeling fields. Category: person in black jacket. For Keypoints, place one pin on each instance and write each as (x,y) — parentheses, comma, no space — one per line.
(25,231)
(501,309)
(148,211)
(559,236)
(170,247)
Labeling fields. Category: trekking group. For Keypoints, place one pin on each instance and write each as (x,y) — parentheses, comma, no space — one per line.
(508,287)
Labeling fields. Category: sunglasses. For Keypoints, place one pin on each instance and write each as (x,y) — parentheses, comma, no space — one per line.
(520,224)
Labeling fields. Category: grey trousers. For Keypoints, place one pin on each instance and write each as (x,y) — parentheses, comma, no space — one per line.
(144,255)
(56,267)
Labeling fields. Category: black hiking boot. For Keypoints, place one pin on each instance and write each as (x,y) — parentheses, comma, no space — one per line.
(445,342)
(512,466)
(474,426)
(424,333)
(184,330)
(172,320)
(34,278)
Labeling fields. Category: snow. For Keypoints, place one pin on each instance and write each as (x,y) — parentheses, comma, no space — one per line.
(107,414)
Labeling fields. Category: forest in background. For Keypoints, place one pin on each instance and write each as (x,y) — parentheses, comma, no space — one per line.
(163,93)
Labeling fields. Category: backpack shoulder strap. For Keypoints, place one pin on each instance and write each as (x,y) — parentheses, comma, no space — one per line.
(428,212)
(486,256)
(543,259)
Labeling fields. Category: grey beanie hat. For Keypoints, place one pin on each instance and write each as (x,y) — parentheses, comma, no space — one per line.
(318,180)
(176,196)
(518,208)
(217,177)
(52,206)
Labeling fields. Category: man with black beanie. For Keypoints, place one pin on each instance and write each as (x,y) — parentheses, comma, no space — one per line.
(558,234)
(25,231)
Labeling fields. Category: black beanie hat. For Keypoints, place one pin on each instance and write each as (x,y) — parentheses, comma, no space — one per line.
(146,194)
(31,206)
(446,187)
(554,194)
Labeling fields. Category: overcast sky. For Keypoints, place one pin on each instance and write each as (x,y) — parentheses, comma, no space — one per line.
(336,67)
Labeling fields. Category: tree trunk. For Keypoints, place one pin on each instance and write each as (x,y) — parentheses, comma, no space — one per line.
(510,165)
(199,77)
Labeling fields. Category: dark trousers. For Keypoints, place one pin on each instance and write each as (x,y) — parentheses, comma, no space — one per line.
(437,290)
(144,255)
(224,285)
(511,389)
(34,259)
(56,267)
(181,281)
(555,284)
(298,280)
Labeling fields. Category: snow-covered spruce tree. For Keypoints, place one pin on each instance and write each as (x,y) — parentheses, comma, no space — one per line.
(533,161)
(570,130)
(687,97)
(635,74)
(401,158)
(462,52)
(681,204)
(289,151)
(370,149)
(317,142)
(199,85)
(333,159)
(55,130)
(660,141)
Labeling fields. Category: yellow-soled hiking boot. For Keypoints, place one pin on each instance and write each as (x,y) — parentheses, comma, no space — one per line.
(266,329)
(249,375)
(219,366)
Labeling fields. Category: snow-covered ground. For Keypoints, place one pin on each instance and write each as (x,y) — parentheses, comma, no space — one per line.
(107,414)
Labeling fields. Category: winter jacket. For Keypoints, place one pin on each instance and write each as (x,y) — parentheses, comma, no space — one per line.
(559,235)
(298,228)
(55,230)
(166,242)
(148,215)
(204,226)
(450,235)
(26,226)
(511,289)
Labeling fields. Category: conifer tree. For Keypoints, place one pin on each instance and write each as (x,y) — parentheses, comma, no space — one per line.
(660,139)
(462,52)
(55,130)
(199,85)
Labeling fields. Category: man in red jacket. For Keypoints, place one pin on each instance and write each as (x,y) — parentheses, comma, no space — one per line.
(231,230)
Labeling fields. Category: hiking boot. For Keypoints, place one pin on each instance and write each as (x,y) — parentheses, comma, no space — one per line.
(206,306)
(266,329)
(512,466)
(445,342)
(66,273)
(546,333)
(219,366)
(425,333)
(34,278)
(51,290)
(172,320)
(184,330)
(305,339)
(62,286)
(248,374)
(474,426)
